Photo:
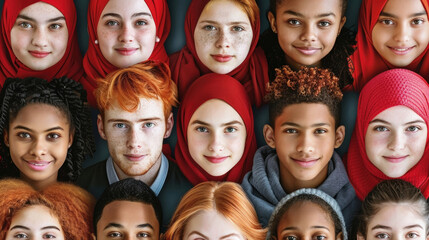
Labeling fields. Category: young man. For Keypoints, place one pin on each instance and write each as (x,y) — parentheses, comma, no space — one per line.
(135,116)
(127,209)
(304,129)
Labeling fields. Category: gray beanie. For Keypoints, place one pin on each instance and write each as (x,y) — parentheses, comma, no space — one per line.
(280,209)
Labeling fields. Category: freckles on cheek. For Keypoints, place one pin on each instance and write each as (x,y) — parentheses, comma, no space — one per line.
(205,40)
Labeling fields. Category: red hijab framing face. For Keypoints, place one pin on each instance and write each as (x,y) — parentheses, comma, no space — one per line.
(388,89)
(70,64)
(366,60)
(96,65)
(186,66)
(229,90)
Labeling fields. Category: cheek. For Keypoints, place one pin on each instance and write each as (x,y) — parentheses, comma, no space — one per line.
(19,40)
(204,41)
(196,143)
(374,144)
(242,43)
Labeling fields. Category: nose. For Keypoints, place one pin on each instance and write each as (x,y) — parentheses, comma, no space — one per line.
(397,141)
(216,143)
(40,38)
(134,139)
(309,33)
(127,34)
(402,33)
(305,144)
(223,39)
(38,148)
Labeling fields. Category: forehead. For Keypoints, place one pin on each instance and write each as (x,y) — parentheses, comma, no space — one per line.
(305,215)
(27,217)
(39,114)
(147,108)
(216,112)
(224,10)
(126,7)
(310,7)
(128,214)
(41,11)
(391,114)
(306,114)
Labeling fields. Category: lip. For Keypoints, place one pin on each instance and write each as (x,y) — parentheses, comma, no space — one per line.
(126,51)
(39,54)
(222,57)
(401,50)
(38,165)
(395,159)
(306,162)
(215,159)
(308,50)
(135,157)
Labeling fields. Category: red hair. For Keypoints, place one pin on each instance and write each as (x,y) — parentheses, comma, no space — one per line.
(251,9)
(149,79)
(72,205)
(227,198)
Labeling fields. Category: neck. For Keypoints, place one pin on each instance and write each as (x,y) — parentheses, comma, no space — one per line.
(148,178)
(297,66)
(42,184)
(291,184)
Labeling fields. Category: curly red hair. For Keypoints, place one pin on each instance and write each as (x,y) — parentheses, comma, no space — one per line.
(149,79)
(72,205)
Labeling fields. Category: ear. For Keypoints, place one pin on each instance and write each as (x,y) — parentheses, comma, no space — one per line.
(360,237)
(6,138)
(100,127)
(340,133)
(340,236)
(272,20)
(93,236)
(169,125)
(71,136)
(343,21)
(269,136)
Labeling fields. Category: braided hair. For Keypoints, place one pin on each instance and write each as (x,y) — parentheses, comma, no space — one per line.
(69,98)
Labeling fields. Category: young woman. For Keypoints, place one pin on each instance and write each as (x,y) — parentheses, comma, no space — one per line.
(390,136)
(61,211)
(391,34)
(216,140)
(121,34)
(46,130)
(221,37)
(39,40)
(215,211)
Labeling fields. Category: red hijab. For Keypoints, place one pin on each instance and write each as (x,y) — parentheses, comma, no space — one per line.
(96,65)
(186,66)
(229,90)
(70,64)
(388,89)
(366,60)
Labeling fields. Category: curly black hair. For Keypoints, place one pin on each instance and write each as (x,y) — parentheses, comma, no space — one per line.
(66,95)
(308,85)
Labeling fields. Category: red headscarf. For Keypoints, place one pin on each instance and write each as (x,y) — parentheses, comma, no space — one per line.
(229,90)
(366,60)
(186,66)
(70,64)
(388,89)
(96,65)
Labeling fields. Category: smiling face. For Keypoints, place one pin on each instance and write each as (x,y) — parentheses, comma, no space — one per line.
(223,36)
(307,29)
(396,144)
(216,137)
(39,36)
(128,220)
(126,32)
(401,33)
(38,139)
(304,137)
(211,225)
(396,221)
(35,222)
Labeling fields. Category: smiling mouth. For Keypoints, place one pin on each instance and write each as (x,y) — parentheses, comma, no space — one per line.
(38,165)
(401,50)
(126,51)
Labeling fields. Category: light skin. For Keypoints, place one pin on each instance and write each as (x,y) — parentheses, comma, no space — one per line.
(399,221)
(35,222)
(216,137)
(38,139)
(126,32)
(396,144)
(135,138)
(211,225)
(39,36)
(304,136)
(128,220)
(307,221)
(401,33)
(223,36)
(307,29)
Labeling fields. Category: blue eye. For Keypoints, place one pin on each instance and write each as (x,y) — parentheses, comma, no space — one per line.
(112,23)
(20,235)
(413,128)
(237,28)
(149,125)
(230,129)
(120,125)
(381,129)
(209,27)
(382,236)
(55,26)
(141,23)
(202,129)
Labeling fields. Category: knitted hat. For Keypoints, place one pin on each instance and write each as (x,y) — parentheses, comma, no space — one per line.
(282,206)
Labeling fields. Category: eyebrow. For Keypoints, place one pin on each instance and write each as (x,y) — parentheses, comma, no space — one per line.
(43,228)
(386,14)
(230,23)
(34,20)
(223,124)
(302,16)
(297,125)
(196,232)
(47,130)
(117,225)
(230,235)
(316,227)
(133,16)
(388,123)
(140,120)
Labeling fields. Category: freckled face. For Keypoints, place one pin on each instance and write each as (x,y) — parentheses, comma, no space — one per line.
(223,36)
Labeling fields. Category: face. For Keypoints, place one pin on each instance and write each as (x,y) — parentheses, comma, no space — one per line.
(211,225)
(38,140)
(128,220)
(39,36)
(395,144)
(223,36)
(126,32)
(35,222)
(401,33)
(306,221)
(216,137)
(396,221)
(304,137)
(307,29)
(135,138)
